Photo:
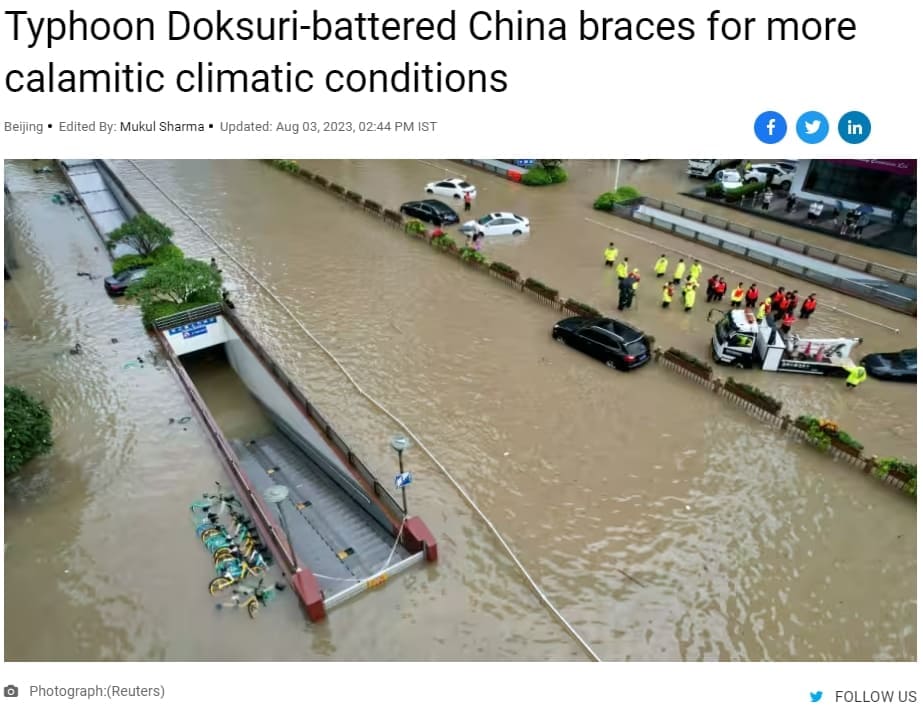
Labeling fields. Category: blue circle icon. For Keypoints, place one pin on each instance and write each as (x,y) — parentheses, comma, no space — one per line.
(770,127)
(855,127)
(812,127)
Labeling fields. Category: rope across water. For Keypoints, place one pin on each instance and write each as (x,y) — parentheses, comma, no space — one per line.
(543,598)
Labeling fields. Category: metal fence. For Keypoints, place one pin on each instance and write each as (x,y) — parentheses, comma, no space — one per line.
(188,316)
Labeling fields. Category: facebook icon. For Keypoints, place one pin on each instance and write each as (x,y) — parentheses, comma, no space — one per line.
(770,127)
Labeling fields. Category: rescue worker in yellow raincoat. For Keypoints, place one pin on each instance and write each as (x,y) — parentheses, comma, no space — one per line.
(636,276)
(667,295)
(679,272)
(689,297)
(764,309)
(856,376)
(610,254)
(622,269)
(660,267)
(695,271)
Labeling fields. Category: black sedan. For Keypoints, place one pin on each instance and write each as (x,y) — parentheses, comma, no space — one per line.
(430,210)
(615,343)
(117,284)
(897,366)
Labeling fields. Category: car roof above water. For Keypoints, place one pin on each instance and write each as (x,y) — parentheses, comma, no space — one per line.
(624,331)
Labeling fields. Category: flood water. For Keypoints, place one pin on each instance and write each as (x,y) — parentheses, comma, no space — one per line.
(663,522)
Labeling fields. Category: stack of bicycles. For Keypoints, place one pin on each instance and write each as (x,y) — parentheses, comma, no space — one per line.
(236,551)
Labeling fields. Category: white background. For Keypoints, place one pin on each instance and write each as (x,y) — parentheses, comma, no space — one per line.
(591,99)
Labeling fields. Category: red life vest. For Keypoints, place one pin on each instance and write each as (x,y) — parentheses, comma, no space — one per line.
(788,319)
(753,294)
(777,298)
(809,305)
(792,303)
(720,287)
(711,283)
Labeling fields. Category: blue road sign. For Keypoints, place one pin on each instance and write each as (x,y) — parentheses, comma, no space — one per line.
(402,480)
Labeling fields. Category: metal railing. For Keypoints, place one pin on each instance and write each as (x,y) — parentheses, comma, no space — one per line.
(188,316)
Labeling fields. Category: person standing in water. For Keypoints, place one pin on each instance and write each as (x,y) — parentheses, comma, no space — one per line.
(610,254)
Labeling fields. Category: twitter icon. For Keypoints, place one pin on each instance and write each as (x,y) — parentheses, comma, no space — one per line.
(815,696)
(812,128)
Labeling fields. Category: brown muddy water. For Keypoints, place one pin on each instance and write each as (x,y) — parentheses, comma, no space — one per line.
(741,545)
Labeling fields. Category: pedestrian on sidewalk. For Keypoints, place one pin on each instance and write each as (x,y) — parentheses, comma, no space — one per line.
(809,305)
(610,254)
(660,267)
(753,294)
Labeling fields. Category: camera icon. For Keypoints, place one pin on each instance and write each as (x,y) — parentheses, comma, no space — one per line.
(11,691)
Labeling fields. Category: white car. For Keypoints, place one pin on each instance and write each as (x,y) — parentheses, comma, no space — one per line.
(456,188)
(776,175)
(729,179)
(501,223)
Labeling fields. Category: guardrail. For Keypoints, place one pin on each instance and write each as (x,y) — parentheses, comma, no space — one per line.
(188,316)
(889,300)
(831,256)
(503,169)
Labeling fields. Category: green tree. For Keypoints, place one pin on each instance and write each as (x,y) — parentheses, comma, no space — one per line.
(180,282)
(143,233)
(549,164)
(26,428)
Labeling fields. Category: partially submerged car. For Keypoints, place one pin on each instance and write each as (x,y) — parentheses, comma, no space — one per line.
(116,285)
(896,366)
(617,344)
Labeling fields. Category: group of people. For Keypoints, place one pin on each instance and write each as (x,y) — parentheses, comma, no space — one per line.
(781,304)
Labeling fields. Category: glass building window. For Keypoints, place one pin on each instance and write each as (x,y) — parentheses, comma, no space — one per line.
(866,186)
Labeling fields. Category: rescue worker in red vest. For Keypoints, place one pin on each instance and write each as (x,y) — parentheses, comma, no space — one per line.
(792,302)
(856,376)
(753,294)
(808,306)
(777,298)
(621,270)
(667,295)
(787,320)
(737,296)
(782,306)
(764,309)
(710,293)
(720,288)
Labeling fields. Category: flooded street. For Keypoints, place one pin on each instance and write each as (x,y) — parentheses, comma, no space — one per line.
(662,522)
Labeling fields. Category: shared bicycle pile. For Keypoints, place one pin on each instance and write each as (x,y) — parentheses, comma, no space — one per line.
(236,550)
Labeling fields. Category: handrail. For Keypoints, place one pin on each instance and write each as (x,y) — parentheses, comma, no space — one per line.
(188,316)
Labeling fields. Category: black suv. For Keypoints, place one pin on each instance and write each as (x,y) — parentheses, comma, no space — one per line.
(615,343)
(431,211)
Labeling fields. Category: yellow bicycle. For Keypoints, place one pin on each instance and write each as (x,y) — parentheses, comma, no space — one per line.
(233,574)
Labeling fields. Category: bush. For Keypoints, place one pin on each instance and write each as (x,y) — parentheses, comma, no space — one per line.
(821,432)
(583,309)
(286,166)
(472,256)
(540,288)
(444,243)
(178,282)
(26,428)
(415,227)
(886,466)
(163,254)
(607,200)
(505,269)
(714,191)
(732,196)
(543,176)
(774,405)
(689,358)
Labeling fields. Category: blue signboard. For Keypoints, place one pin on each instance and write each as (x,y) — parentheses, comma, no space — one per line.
(194,329)
(402,480)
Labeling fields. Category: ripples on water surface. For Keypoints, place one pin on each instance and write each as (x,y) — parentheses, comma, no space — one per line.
(735,543)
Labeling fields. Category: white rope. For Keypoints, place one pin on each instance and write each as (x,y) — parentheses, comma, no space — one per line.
(397,539)
(725,267)
(543,598)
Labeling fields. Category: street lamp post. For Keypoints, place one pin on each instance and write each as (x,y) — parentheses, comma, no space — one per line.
(399,443)
(278,494)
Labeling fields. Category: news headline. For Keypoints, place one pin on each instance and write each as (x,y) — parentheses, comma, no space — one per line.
(50,32)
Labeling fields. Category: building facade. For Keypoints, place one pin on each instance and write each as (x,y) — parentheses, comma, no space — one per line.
(888,186)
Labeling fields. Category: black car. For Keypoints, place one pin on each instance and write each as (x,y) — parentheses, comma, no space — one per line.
(431,211)
(898,366)
(615,343)
(117,284)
